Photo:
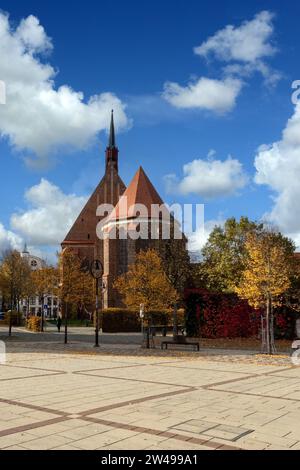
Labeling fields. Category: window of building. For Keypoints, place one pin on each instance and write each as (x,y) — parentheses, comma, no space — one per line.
(123,256)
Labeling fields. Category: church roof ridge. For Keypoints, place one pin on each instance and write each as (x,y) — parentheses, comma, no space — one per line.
(139,192)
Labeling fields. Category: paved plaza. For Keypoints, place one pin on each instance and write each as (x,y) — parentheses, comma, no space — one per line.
(125,398)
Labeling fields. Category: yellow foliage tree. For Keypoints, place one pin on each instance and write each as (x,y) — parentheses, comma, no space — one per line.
(14,275)
(266,276)
(14,280)
(76,287)
(146,283)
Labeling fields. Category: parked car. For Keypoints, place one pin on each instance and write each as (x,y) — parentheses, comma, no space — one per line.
(1,315)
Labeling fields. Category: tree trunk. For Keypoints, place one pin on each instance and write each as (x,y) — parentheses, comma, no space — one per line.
(272,336)
(11,309)
(175,321)
(268,312)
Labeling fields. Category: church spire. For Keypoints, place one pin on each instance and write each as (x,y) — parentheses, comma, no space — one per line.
(112,137)
(112,152)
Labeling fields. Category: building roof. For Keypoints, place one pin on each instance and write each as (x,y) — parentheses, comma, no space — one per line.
(140,193)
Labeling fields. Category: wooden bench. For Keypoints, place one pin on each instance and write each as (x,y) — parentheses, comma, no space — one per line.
(179,343)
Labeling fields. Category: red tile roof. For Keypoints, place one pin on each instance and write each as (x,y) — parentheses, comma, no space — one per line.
(140,192)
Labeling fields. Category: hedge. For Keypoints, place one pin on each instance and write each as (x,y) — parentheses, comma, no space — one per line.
(118,320)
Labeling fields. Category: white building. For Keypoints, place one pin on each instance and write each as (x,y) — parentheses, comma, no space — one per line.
(34,305)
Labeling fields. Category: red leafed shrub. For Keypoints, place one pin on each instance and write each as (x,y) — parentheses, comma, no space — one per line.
(284,323)
(226,316)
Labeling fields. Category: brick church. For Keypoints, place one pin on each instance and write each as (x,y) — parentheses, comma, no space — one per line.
(116,253)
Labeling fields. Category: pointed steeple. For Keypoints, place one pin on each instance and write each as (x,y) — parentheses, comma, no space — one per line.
(25,252)
(112,137)
(112,152)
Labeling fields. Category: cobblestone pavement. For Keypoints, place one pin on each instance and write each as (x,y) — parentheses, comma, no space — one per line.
(123,397)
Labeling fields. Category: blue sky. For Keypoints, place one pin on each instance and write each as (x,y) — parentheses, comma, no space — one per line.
(133,51)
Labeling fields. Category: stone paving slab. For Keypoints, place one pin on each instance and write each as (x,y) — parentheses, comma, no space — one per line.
(73,398)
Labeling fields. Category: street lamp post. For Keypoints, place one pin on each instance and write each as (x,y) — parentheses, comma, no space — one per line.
(97,273)
(97,315)
(66,322)
(175,320)
(142,316)
(42,300)
(64,306)
(10,323)
(103,290)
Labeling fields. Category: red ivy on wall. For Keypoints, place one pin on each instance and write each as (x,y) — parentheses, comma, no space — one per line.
(226,316)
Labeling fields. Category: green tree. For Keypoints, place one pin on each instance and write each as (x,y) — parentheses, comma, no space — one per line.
(176,263)
(224,254)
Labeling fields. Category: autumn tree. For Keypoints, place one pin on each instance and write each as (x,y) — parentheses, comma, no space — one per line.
(224,254)
(45,281)
(76,287)
(176,262)
(146,283)
(14,279)
(266,275)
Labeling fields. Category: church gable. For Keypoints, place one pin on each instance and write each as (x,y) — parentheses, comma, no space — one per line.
(108,191)
(84,228)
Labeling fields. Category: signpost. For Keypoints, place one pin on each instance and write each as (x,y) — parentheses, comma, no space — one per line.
(142,316)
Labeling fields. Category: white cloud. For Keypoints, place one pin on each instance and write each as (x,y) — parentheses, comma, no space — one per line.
(249,42)
(207,94)
(9,240)
(278,166)
(50,215)
(271,76)
(33,35)
(209,178)
(38,117)
(245,48)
